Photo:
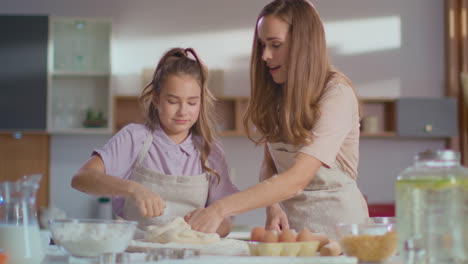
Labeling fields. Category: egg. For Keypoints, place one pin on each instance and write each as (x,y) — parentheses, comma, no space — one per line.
(270,237)
(305,236)
(287,235)
(257,233)
(322,238)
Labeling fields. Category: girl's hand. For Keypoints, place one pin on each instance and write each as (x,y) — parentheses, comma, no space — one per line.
(206,220)
(276,218)
(149,203)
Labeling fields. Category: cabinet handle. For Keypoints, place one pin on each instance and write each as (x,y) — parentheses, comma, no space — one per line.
(428,128)
(17,135)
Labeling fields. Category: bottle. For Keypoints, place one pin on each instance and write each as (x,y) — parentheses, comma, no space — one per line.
(19,228)
(428,201)
(104,209)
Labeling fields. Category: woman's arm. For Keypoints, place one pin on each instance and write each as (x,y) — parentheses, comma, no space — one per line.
(224,228)
(276,219)
(92,179)
(277,188)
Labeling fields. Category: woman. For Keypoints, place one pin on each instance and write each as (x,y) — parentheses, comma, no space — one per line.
(307,114)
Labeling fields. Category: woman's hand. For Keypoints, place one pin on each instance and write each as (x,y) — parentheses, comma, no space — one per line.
(149,203)
(188,216)
(206,220)
(276,218)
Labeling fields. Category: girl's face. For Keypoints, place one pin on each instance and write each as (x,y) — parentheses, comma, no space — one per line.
(273,34)
(178,105)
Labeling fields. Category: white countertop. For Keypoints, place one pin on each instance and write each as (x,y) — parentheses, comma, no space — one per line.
(55,256)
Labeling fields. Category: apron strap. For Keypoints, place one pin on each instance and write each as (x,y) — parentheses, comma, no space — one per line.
(144,150)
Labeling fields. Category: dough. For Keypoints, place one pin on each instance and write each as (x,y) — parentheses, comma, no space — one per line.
(178,231)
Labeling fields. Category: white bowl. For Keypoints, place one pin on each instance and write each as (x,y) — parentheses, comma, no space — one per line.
(45,238)
(368,242)
(382,220)
(90,238)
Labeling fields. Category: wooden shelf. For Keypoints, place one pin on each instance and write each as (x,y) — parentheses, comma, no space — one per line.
(126,110)
(385,134)
(230,112)
(85,131)
(80,73)
(381,112)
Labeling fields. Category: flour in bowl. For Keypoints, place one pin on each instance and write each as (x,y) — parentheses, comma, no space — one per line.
(89,239)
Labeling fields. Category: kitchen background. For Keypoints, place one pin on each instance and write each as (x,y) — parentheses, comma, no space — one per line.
(387,48)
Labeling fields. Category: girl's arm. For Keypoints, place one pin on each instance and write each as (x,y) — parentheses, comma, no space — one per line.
(92,179)
(277,188)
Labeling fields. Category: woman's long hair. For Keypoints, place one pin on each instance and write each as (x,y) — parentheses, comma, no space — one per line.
(287,112)
(176,61)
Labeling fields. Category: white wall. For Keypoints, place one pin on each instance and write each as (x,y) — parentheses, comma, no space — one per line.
(388,48)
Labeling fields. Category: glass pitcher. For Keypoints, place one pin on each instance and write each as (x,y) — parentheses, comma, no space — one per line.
(428,200)
(19,229)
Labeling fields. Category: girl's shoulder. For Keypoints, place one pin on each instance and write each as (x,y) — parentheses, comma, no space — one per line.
(216,152)
(132,133)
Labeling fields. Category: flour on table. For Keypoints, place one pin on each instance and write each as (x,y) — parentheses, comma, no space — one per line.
(225,247)
(178,231)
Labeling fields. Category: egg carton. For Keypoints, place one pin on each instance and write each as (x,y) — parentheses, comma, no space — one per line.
(285,249)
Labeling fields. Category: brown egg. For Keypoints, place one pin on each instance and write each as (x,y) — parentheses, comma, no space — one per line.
(322,238)
(270,237)
(287,235)
(257,233)
(305,236)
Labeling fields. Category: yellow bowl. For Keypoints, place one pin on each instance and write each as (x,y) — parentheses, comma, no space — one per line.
(291,249)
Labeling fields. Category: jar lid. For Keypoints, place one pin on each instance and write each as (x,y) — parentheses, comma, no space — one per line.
(448,155)
(439,155)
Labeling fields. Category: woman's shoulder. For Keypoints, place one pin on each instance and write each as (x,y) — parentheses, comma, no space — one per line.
(338,88)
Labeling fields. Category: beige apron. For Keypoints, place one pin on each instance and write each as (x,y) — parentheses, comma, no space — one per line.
(182,194)
(331,197)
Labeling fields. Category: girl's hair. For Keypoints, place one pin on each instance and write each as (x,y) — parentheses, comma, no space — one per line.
(287,112)
(176,61)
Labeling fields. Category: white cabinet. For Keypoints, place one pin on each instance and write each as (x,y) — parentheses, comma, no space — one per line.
(78,75)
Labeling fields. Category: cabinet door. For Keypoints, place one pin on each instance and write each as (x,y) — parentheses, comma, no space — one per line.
(427,117)
(23,72)
(26,154)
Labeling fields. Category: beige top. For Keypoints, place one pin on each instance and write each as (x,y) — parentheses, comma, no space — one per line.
(336,133)
(332,196)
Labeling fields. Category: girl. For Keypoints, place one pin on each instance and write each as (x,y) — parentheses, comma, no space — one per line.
(307,115)
(172,165)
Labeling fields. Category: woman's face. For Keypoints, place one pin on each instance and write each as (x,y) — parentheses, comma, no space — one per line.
(273,34)
(178,105)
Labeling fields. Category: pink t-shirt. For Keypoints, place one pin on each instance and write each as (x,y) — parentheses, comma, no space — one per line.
(120,153)
(336,133)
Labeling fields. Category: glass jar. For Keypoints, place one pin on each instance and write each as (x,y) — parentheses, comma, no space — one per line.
(428,205)
(19,229)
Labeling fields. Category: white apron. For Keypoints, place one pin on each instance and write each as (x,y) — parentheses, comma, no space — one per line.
(182,194)
(331,197)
